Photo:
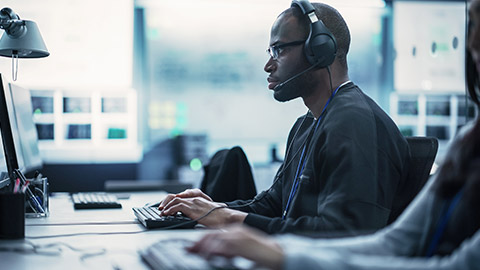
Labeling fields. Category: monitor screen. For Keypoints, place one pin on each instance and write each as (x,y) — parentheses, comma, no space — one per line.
(27,132)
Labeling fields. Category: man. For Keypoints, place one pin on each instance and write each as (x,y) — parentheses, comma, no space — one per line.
(345,158)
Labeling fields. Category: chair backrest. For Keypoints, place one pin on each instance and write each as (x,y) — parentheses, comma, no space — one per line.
(423,151)
(228,176)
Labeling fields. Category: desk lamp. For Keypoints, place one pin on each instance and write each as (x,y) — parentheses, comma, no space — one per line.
(21,39)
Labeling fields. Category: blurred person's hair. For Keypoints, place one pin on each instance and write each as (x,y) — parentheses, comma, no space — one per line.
(461,167)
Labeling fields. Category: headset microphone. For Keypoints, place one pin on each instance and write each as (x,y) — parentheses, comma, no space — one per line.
(280,85)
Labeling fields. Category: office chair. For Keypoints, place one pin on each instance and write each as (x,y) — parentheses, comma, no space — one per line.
(228,176)
(423,151)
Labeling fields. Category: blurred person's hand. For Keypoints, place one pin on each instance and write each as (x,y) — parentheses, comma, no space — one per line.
(240,240)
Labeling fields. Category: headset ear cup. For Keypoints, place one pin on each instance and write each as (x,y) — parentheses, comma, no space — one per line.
(320,47)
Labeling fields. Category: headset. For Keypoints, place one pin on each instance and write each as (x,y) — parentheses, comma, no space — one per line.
(321,45)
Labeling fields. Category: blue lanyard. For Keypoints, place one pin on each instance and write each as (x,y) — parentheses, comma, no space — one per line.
(442,224)
(301,162)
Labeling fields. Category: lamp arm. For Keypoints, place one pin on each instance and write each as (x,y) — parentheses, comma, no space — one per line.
(11,23)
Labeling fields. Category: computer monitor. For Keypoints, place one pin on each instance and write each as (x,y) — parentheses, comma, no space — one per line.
(28,137)
(8,130)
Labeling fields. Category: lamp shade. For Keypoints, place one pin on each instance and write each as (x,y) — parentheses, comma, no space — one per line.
(30,45)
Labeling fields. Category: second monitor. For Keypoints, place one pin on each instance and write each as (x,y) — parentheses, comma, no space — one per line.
(27,132)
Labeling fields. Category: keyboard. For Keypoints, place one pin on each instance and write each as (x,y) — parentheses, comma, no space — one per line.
(95,200)
(170,254)
(150,218)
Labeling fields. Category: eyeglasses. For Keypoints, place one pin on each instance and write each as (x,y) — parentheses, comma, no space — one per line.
(275,50)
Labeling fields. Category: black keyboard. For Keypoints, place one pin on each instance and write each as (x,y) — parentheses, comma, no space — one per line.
(171,255)
(150,218)
(95,200)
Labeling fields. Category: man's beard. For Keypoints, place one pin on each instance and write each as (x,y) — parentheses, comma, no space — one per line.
(300,86)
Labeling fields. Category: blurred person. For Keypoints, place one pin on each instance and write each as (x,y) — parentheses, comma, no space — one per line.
(438,230)
(345,159)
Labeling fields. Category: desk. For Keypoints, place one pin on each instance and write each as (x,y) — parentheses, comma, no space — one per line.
(64,221)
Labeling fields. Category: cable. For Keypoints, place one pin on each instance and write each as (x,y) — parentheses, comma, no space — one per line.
(193,220)
(51,249)
(81,234)
(330,77)
(56,249)
(87,223)
(208,213)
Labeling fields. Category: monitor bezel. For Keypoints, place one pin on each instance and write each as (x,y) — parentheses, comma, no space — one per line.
(6,130)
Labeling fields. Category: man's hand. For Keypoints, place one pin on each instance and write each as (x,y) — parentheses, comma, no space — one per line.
(188,193)
(241,241)
(196,207)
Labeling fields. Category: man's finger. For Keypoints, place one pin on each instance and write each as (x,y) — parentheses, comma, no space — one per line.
(165,201)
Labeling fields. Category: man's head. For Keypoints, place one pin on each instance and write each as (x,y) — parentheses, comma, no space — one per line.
(292,26)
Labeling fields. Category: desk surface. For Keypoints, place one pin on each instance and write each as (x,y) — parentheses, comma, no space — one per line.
(88,231)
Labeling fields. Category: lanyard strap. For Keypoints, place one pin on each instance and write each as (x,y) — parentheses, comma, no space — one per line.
(442,224)
(301,162)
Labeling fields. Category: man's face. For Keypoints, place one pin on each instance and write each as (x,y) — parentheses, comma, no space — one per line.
(289,61)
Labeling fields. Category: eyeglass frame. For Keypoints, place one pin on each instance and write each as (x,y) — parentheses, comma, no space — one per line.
(273,51)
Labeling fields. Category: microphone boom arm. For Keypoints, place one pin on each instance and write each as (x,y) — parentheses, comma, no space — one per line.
(280,85)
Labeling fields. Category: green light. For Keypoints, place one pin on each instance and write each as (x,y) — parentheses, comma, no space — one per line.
(182,108)
(175,132)
(195,164)
(181,122)
(153,34)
